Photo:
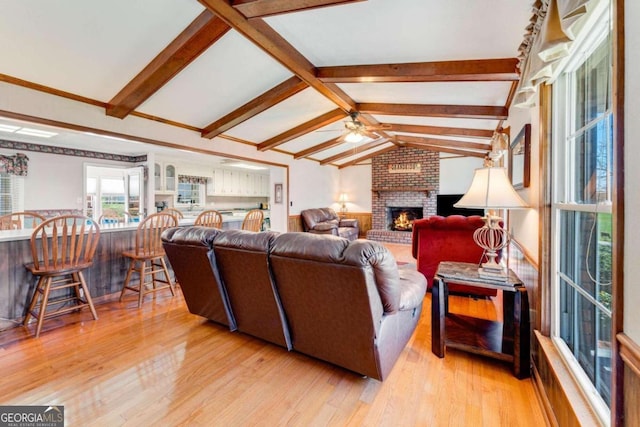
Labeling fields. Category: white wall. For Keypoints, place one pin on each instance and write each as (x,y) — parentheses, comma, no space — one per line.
(524,224)
(55,181)
(632,172)
(312,185)
(456,173)
(355,182)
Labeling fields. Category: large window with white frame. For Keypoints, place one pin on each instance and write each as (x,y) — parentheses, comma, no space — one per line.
(582,182)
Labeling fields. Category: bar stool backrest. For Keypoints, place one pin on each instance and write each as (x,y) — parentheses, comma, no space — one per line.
(20,220)
(64,242)
(148,235)
(210,218)
(253,220)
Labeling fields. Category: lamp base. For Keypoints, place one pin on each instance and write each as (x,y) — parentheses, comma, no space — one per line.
(492,271)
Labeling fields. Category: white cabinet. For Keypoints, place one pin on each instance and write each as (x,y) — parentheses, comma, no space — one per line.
(227,182)
(166,177)
(215,183)
(170,178)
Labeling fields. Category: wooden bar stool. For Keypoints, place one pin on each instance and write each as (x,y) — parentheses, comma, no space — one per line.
(147,257)
(253,220)
(209,218)
(62,247)
(113,218)
(175,212)
(20,220)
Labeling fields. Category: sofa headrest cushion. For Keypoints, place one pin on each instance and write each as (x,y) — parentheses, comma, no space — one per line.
(385,270)
(195,235)
(338,250)
(246,240)
(316,247)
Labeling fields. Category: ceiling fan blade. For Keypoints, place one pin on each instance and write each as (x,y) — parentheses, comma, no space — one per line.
(369,134)
(379,127)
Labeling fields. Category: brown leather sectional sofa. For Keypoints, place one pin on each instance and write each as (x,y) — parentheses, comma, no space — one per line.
(344,302)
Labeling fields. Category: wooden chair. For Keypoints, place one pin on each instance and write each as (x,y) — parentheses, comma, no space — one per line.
(61,247)
(210,218)
(253,220)
(147,257)
(20,220)
(112,217)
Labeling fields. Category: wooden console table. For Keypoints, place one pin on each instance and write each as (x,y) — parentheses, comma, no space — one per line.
(508,341)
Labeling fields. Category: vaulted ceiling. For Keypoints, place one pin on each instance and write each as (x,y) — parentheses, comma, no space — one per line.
(280,75)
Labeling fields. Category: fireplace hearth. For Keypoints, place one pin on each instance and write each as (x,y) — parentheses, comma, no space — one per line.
(400,218)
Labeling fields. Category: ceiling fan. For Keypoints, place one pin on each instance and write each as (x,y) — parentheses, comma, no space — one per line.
(355,131)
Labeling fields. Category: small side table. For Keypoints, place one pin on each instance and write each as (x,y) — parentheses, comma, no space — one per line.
(508,341)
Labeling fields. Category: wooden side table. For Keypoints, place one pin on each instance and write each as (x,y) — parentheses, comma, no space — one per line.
(508,341)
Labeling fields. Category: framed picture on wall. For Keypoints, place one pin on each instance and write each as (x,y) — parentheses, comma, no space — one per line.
(277,193)
(519,158)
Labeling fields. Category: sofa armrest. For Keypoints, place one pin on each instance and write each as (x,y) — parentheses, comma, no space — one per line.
(348,223)
(325,228)
(413,287)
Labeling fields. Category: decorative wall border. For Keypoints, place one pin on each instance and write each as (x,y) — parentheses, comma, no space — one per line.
(49,149)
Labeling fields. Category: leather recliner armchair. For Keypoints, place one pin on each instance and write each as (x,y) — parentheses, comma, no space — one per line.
(326,221)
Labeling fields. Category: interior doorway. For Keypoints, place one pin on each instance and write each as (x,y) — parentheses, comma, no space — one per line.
(110,189)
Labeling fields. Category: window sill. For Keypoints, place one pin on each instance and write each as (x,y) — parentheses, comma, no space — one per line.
(566,384)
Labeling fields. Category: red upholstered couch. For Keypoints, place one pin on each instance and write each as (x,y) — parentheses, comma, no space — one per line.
(449,238)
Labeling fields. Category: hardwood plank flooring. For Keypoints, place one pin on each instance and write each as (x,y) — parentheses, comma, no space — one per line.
(161,365)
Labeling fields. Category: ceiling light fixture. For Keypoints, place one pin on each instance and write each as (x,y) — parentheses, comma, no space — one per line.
(245,166)
(36,132)
(8,128)
(354,137)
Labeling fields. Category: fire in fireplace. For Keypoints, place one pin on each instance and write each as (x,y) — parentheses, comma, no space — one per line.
(401,218)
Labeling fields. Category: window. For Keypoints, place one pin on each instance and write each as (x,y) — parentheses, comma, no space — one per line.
(11,193)
(581,216)
(113,190)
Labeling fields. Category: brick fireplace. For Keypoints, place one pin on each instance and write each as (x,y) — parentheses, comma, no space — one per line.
(402,178)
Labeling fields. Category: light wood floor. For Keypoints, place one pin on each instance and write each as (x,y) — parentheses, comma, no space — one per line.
(162,366)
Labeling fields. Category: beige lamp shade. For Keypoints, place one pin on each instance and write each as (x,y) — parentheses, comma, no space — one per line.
(491,189)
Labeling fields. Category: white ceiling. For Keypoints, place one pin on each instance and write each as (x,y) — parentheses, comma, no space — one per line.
(94,49)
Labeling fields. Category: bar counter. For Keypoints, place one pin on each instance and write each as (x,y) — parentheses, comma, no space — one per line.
(104,277)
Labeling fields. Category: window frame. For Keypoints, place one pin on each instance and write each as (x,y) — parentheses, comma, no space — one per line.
(562,181)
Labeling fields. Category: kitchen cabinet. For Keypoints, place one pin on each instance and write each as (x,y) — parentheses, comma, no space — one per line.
(227,182)
(166,178)
(214,183)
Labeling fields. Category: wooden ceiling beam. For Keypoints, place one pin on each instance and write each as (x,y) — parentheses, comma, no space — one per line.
(443,142)
(261,8)
(203,32)
(266,38)
(454,111)
(254,107)
(310,126)
(357,149)
(367,157)
(503,69)
(447,150)
(440,130)
(334,142)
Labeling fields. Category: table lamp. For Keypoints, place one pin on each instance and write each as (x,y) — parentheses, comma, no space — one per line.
(491,190)
(343,203)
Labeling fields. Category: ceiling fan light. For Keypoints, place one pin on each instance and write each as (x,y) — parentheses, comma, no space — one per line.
(353,137)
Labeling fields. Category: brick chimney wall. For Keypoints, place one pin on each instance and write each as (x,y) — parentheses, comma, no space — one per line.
(428,177)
